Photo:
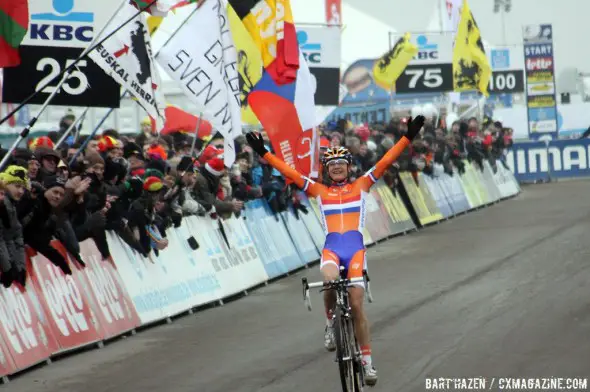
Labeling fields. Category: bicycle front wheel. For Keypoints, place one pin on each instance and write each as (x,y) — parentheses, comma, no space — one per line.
(345,352)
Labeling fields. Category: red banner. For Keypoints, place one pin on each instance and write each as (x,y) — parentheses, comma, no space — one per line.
(111,304)
(24,327)
(334,12)
(66,305)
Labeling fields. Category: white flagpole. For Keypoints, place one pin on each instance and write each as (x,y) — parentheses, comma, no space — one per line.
(67,132)
(66,75)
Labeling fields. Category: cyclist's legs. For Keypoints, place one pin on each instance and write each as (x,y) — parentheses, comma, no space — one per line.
(329,266)
(356,294)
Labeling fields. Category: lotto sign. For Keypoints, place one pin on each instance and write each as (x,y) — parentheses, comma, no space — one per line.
(112,305)
(540,75)
(87,85)
(67,307)
(24,327)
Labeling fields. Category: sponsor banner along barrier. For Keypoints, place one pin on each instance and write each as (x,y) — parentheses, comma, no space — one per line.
(205,261)
(540,161)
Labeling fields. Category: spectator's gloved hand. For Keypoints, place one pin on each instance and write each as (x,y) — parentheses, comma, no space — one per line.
(36,189)
(414,126)
(21,277)
(256,142)
(7,277)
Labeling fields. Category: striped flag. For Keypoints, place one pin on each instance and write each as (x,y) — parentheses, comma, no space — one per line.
(14,22)
(270,23)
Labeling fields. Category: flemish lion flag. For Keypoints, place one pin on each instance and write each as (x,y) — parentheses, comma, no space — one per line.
(14,22)
(249,64)
(270,23)
(471,69)
(389,67)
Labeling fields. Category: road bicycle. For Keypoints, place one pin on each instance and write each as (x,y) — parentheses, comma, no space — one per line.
(348,353)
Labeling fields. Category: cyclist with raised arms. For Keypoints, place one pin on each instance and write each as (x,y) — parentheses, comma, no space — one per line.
(342,206)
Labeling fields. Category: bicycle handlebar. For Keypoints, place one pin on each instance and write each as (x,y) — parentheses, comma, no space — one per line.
(331,284)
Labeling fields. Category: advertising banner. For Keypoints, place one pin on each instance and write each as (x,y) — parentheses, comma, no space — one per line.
(59,30)
(26,334)
(534,161)
(67,306)
(431,71)
(396,208)
(316,231)
(376,219)
(507,70)
(300,236)
(320,46)
(437,194)
(540,76)
(111,304)
(334,12)
(424,206)
(268,250)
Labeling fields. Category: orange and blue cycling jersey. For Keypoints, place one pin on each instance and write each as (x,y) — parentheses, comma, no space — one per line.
(342,208)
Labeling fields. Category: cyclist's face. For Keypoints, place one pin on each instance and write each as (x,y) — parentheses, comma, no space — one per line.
(338,170)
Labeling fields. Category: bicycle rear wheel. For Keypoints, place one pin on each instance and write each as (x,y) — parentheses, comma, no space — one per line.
(345,352)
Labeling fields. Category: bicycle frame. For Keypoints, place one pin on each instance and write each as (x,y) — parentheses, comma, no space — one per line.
(348,354)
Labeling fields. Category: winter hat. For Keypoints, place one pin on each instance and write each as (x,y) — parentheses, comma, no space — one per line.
(107,143)
(24,155)
(44,152)
(42,141)
(53,182)
(93,158)
(209,153)
(152,184)
(156,167)
(15,175)
(157,151)
(186,163)
(132,149)
(215,166)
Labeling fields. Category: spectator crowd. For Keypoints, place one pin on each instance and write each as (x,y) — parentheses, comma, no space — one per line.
(140,186)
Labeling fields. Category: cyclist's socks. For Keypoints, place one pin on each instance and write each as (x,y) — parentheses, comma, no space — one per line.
(366,352)
(330,318)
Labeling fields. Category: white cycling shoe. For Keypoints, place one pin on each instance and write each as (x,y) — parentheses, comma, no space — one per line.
(329,339)
(370,374)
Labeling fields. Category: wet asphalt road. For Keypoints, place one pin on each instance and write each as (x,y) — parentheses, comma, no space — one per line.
(500,292)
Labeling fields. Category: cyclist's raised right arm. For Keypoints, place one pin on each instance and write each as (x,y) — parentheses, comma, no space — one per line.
(307,185)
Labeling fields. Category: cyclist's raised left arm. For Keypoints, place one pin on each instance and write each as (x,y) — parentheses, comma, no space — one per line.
(384,163)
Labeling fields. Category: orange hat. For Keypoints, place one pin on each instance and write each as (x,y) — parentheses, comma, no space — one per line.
(152,184)
(107,143)
(41,141)
(157,151)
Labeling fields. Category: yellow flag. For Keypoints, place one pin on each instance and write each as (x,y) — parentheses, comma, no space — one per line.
(153,22)
(389,67)
(471,69)
(249,63)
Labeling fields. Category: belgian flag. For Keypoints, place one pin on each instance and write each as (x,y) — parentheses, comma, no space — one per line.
(471,69)
(389,67)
